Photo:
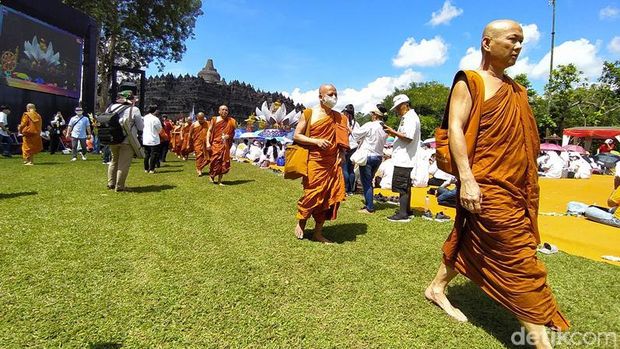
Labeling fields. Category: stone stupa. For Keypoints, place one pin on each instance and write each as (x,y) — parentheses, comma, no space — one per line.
(209,73)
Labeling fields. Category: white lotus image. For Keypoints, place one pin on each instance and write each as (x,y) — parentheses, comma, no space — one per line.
(38,52)
(279,117)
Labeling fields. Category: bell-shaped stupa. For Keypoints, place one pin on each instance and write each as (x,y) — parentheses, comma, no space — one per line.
(209,73)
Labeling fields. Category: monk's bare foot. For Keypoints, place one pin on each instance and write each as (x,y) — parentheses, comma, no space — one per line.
(322,239)
(438,297)
(221,184)
(299,232)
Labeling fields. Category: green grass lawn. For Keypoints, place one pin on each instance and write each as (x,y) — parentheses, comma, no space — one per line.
(183,263)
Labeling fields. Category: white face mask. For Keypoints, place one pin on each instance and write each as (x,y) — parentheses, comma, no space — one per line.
(330,101)
(78,112)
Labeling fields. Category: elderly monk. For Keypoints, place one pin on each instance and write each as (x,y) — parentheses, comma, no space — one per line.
(198,135)
(30,128)
(219,140)
(495,236)
(186,141)
(324,185)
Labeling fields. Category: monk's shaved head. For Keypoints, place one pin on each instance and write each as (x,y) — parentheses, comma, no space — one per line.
(326,88)
(498,27)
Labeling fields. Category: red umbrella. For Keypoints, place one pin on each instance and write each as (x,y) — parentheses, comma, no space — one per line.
(574,147)
(551,146)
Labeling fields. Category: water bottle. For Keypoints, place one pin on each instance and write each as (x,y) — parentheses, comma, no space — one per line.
(426,203)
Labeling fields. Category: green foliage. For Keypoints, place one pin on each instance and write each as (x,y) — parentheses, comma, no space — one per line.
(182,263)
(139,32)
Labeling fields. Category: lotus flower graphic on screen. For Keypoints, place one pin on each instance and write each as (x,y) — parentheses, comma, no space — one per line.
(279,118)
(37,51)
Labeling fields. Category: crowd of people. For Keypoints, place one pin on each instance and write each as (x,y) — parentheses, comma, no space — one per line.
(495,234)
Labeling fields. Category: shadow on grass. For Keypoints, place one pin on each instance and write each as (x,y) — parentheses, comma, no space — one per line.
(16,195)
(152,188)
(341,233)
(238,182)
(104,345)
(483,312)
(165,164)
(169,171)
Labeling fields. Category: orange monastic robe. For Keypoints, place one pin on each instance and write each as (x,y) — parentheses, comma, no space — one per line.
(198,134)
(324,185)
(30,127)
(497,247)
(220,149)
(175,142)
(186,141)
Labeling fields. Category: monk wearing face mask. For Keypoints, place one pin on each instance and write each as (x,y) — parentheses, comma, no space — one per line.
(324,185)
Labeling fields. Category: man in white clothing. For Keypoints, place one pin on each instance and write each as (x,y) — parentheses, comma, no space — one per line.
(150,138)
(404,153)
(79,130)
(5,137)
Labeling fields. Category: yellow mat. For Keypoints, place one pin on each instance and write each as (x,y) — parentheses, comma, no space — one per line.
(573,235)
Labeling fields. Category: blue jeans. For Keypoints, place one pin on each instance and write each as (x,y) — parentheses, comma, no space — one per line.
(602,216)
(367,174)
(446,197)
(74,145)
(348,169)
(7,142)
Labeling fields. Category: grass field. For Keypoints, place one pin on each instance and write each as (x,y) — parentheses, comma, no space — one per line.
(181,263)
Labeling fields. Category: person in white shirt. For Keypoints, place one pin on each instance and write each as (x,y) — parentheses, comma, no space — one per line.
(123,153)
(404,154)
(371,139)
(580,167)
(5,137)
(79,130)
(242,150)
(386,170)
(348,167)
(150,138)
(553,166)
(255,151)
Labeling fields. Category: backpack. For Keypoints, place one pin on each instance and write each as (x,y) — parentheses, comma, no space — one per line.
(110,129)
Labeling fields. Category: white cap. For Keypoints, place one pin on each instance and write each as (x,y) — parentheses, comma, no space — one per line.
(609,141)
(399,99)
(376,111)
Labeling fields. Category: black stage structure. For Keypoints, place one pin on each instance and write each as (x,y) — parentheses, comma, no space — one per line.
(56,14)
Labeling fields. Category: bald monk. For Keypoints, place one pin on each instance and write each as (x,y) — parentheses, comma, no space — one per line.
(175,141)
(495,235)
(198,135)
(219,140)
(324,186)
(186,141)
(30,128)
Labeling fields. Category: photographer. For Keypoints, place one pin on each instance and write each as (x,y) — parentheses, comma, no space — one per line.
(56,126)
(123,153)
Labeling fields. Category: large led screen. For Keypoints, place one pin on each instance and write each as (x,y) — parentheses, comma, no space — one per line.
(37,56)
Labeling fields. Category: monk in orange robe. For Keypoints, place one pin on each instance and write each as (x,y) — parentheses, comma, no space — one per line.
(175,142)
(495,235)
(186,141)
(30,127)
(324,185)
(198,134)
(219,140)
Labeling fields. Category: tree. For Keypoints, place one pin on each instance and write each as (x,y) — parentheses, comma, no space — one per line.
(138,32)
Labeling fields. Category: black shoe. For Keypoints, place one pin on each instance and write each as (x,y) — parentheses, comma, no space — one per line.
(440,217)
(111,187)
(399,218)
(432,191)
(428,215)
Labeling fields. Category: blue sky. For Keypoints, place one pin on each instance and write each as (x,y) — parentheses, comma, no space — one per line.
(366,48)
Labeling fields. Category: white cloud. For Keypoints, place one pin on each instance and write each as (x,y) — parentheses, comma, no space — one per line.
(582,53)
(427,53)
(445,15)
(364,99)
(471,60)
(614,45)
(531,35)
(609,12)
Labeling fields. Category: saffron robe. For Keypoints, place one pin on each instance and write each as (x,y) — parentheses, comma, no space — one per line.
(220,149)
(30,127)
(186,141)
(198,135)
(324,186)
(496,248)
(175,141)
